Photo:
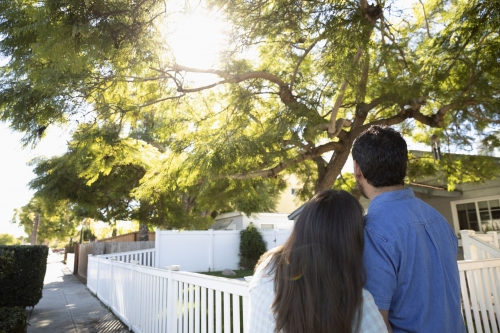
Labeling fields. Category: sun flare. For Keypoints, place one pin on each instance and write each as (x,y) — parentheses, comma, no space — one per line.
(198,40)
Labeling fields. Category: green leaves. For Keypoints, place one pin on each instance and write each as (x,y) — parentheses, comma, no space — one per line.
(169,144)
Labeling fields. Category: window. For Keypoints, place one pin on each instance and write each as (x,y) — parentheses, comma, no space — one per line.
(481,215)
(467,216)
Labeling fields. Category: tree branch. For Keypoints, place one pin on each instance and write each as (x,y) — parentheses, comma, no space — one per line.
(160,100)
(308,155)
(340,96)
(481,117)
(295,70)
(285,93)
(425,18)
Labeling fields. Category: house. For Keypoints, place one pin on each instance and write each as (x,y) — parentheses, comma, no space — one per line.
(264,221)
(287,203)
(472,206)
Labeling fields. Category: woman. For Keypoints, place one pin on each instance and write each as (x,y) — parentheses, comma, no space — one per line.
(314,283)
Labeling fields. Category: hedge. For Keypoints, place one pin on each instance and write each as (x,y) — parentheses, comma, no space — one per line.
(13,320)
(22,270)
(252,247)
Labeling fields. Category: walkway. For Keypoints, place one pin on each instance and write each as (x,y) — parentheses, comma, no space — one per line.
(68,306)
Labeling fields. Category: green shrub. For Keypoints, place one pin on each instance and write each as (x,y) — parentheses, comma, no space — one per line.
(22,280)
(13,320)
(252,247)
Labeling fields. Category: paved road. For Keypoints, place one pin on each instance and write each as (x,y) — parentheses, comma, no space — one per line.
(68,306)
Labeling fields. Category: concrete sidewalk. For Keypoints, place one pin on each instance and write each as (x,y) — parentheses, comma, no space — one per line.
(68,306)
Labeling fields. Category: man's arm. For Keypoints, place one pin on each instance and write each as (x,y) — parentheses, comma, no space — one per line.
(385,315)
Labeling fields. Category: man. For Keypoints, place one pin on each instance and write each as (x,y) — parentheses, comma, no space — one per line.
(410,249)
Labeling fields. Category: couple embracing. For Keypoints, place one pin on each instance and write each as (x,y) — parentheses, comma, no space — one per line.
(393,270)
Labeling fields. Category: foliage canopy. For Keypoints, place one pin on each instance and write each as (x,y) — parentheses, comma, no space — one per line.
(298,83)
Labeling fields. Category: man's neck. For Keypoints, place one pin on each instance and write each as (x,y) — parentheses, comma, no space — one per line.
(376,191)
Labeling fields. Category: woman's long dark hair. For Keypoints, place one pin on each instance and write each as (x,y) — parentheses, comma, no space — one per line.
(319,272)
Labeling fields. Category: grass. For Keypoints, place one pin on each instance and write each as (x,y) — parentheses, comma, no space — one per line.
(239,273)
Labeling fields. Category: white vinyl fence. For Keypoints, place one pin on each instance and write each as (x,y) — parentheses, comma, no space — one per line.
(202,251)
(151,300)
(480,246)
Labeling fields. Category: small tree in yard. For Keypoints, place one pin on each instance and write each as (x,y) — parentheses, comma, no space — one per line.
(252,247)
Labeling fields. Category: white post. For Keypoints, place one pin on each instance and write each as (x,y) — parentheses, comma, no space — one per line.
(132,315)
(111,285)
(157,248)
(211,250)
(494,237)
(171,305)
(97,281)
(466,243)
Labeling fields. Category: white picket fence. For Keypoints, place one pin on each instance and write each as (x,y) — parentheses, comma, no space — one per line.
(151,300)
(145,257)
(480,246)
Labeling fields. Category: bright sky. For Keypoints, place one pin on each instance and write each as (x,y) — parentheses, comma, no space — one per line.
(15,173)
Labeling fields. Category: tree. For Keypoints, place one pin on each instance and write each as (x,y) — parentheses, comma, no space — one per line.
(323,73)
(47,220)
(102,174)
(8,239)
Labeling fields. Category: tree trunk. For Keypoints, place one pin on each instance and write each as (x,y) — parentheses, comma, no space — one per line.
(36,223)
(333,170)
(143,234)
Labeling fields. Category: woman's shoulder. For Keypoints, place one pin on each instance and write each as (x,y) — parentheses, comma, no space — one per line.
(263,272)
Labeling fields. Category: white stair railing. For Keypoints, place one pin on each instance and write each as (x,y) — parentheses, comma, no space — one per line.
(480,291)
(480,246)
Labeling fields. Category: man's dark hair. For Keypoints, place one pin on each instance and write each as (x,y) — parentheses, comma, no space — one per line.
(382,156)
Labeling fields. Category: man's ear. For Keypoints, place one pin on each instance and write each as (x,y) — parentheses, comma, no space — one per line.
(358,174)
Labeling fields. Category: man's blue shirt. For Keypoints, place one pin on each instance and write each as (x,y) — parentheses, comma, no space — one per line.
(411,262)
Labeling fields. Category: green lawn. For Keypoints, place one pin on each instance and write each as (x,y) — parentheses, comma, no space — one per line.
(239,274)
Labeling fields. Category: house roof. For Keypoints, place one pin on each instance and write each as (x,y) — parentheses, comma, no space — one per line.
(296,212)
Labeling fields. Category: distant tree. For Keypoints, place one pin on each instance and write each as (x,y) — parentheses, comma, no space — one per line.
(8,239)
(47,220)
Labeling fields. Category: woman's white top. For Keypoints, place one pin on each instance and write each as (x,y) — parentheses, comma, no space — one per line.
(261,317)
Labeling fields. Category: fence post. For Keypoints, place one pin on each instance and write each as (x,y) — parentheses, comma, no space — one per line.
(111,284)
(466,243)
(171,304)
(97,277)
(76,251)
(211,250)
(133,305)
(494,237)
(157,248)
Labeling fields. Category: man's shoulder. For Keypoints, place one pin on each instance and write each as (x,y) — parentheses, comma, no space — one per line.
(387,218)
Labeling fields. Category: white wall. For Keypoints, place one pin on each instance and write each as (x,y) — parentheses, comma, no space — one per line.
(201,251)
(280,221)
(240,221)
